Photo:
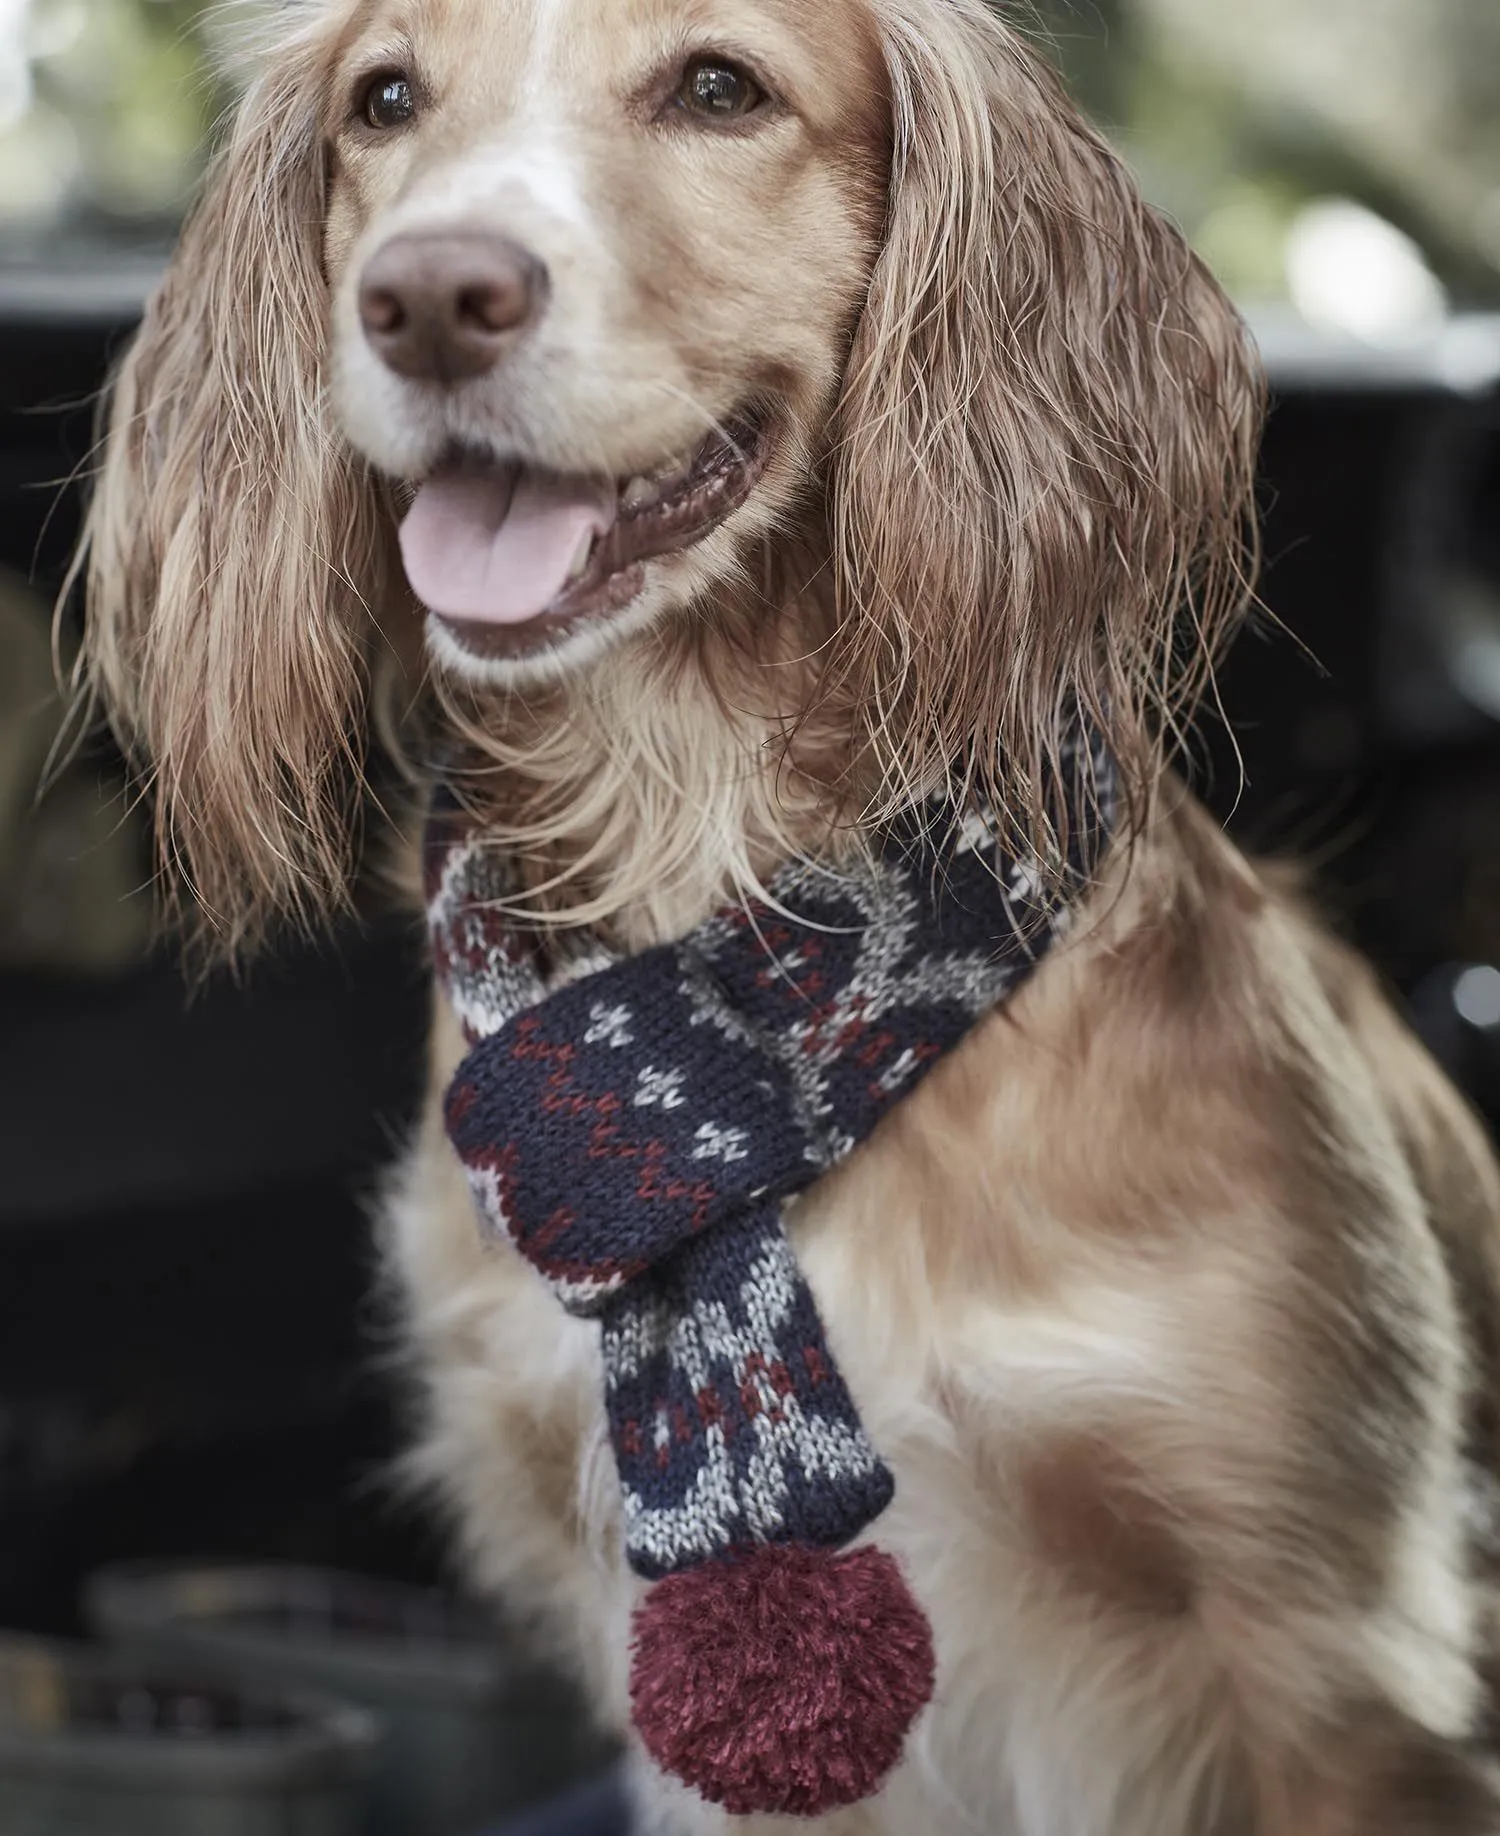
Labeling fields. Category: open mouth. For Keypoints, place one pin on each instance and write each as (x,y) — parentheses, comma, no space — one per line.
(507,555)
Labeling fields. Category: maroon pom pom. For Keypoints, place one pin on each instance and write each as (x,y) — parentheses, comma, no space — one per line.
(782,1678)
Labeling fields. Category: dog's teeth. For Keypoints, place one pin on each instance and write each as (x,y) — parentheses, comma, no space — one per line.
(581,559)
(637,491)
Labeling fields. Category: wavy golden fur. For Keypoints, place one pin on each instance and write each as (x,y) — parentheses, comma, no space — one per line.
(1172,1295)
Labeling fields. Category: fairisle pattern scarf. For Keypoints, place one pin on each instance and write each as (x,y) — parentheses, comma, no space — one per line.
(634,1125)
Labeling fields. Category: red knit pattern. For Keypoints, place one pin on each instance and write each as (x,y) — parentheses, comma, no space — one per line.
(782,1679)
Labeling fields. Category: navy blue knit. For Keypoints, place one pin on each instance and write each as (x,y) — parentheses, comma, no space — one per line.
(634,1124)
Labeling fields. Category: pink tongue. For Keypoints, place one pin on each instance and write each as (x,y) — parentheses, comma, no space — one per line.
(497,546)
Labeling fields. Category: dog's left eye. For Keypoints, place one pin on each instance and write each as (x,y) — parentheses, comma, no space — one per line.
(388,102)
(719,90)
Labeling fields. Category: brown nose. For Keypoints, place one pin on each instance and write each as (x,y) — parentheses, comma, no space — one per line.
(442,307)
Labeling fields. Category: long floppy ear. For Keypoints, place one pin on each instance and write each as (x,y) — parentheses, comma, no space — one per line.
(1043,485)
(232,541)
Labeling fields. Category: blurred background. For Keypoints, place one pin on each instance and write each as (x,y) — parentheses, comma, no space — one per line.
(190,1354)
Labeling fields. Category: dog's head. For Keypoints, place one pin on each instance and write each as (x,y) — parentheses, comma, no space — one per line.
(600,303)
(593,272)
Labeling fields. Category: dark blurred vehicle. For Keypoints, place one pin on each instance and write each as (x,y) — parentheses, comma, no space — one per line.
(186,1321)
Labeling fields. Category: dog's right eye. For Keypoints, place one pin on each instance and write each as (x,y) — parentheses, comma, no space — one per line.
(389,101)
(718,90)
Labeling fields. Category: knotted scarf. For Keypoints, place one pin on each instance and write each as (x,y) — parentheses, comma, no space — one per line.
(634,1125)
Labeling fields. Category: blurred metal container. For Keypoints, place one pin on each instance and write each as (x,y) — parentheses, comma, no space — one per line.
(470,1729)
(93,1744)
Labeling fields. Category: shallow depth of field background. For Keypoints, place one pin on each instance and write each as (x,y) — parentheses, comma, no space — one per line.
(1248,119)
(193,1350)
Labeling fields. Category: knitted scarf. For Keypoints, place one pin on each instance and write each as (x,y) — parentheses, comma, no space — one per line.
(634,1125)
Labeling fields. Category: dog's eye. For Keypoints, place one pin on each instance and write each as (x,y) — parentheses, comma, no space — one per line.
(388,101)
(718,90)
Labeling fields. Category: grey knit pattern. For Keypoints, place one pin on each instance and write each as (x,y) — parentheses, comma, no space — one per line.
(635,1124)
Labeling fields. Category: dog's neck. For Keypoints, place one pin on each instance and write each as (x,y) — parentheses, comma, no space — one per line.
(679,772)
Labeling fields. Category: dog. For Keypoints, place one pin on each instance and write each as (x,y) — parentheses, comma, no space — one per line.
(870,427)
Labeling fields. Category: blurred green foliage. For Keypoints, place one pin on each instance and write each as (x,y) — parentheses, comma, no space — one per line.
(1235,113)
(1238,113)
(105,110)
